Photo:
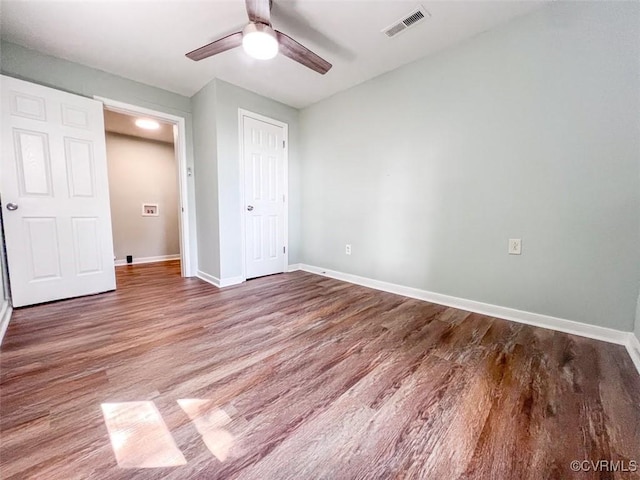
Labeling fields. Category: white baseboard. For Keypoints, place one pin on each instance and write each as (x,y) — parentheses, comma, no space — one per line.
(217,282)
(136,261)
(535,319)
(294,267)
(633,347)
(228,282)
(5,318)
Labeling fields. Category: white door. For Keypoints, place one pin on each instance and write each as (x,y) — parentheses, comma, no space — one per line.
(55,194)
(264,193)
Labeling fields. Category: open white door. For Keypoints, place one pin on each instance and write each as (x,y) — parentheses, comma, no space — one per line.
(264,193)
(55,194)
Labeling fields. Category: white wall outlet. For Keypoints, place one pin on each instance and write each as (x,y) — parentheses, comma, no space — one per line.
(515,246)
(347,249)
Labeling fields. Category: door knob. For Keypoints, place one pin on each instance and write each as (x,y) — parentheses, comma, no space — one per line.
(12,206)
(250,208)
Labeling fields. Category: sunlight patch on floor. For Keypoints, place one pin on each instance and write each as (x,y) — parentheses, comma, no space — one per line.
(139,436)
(209,421)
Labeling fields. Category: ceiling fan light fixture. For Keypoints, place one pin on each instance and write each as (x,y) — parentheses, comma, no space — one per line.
(147,124)
(259,41)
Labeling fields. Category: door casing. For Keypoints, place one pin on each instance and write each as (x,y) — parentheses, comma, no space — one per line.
(242,113)
(186,267)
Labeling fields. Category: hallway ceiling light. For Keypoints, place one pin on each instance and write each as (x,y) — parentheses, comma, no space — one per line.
(147,124)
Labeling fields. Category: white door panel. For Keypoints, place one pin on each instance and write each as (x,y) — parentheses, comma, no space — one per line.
(264,165)
(80,169)
(86,244)
(53,167)
(42,248)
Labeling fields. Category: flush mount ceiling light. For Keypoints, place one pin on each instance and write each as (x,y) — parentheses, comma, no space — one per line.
(147,124)
(259,41)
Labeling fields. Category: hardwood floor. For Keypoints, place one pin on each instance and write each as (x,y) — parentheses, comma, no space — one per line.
(297,376)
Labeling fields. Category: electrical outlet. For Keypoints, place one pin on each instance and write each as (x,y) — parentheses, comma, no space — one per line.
(515,246)
(347,249)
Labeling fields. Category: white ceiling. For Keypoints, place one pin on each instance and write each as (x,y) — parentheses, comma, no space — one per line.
(125,124)
(146,40)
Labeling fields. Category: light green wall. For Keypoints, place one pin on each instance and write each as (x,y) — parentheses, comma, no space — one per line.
(206,179)
(637,325)
(637,320)
(17,61)
(527,131)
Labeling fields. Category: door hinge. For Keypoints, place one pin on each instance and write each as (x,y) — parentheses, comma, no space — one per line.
(283,198)
(284,249)
(283,144)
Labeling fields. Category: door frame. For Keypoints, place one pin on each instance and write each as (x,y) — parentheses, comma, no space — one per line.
(242,113)
(180,147)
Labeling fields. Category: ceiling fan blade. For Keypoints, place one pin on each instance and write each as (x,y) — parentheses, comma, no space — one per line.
(301,54)
(259,11)
(219,46)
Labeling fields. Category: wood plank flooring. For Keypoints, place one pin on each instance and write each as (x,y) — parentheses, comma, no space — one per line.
(297,376)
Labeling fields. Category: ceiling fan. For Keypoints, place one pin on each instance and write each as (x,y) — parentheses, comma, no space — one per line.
(261,41)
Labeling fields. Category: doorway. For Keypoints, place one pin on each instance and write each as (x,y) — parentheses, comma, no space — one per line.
(143,189)
(149,211)
(264,186)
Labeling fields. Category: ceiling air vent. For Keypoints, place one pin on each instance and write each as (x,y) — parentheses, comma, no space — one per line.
(407,21)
